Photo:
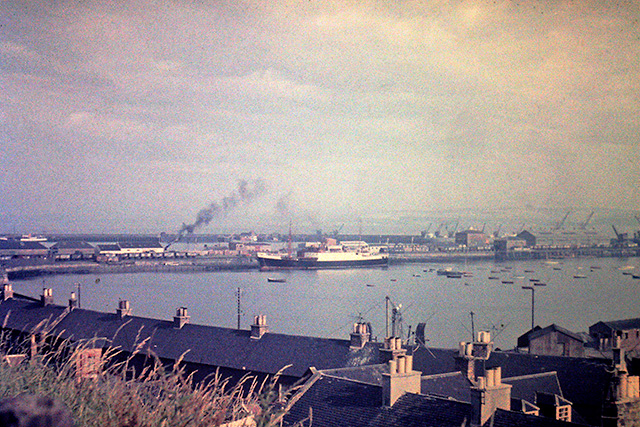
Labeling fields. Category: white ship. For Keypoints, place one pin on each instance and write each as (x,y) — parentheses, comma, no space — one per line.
(345,255)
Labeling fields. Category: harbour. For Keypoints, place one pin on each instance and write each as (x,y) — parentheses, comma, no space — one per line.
(325,303)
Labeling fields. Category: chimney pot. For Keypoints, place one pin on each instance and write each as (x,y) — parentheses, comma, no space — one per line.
(47,296)
(181,318)
(259,328)
(490,377)
(393,366)
(124,309)
(7,291)
(402,365)
(409,362)
(73,301)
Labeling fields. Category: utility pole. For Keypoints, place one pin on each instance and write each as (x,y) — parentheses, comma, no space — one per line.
(533,304)
(239,311)
(79,300)
(473,328)
(386,300)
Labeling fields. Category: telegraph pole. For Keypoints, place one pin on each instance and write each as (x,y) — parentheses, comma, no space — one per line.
(473,328)
(239,311)
(533,304)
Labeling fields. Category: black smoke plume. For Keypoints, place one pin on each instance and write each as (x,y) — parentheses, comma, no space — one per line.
(246,192)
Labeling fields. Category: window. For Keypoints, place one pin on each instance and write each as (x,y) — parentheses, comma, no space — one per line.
(564,413)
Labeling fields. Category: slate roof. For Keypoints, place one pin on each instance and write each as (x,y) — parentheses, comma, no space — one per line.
(584,381)
(525,386)
(108,247)
(369,374)
(208,345)
(341,402)
(140,244)
(457,386)
(523,340)
(20,245)
(72,244)
(25,316)
(621,325)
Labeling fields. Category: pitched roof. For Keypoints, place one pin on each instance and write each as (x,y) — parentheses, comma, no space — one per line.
(72,244)
(583,381)
(209,345)
(457,386)
(26,316)
(618,325)
(108,247)
(537,332)
(338,402)
(141,244)
(525,386)
(21,245)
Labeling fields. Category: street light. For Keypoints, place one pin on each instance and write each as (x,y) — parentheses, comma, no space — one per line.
(533,303)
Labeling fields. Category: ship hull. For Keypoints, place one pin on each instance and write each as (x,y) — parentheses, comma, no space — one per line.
(286,263)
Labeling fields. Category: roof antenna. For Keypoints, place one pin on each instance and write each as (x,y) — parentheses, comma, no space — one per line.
(239,310)
(473,328)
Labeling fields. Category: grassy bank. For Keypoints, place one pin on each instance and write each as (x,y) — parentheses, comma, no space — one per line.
(155,397)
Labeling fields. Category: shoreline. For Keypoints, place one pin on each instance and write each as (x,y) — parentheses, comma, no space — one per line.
(243,263)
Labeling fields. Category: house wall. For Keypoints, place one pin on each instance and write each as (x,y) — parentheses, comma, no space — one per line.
(630,338)
(622,414)
(556,344)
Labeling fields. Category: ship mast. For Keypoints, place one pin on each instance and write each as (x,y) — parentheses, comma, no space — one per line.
(289,249)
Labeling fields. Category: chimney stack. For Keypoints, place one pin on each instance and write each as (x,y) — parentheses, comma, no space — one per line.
(73,301)
(488,394)
(471,355)
(47,297)
(401,379)
(181,318)
(124,309)
(360,336)
(259,327)
(392,349)
(7,291)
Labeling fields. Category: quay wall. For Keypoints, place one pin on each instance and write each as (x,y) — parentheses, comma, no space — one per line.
(139,266)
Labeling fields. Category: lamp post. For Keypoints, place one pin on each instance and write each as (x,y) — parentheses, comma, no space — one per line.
(533,304)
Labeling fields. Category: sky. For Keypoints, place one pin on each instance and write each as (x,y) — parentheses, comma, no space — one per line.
(134,116)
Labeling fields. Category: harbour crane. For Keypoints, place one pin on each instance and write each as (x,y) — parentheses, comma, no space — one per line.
(621,238)
(583,226)
(561,223)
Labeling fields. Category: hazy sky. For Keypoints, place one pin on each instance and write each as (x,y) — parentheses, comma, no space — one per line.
(135,115)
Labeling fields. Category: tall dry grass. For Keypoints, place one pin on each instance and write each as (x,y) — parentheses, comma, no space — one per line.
(157,396)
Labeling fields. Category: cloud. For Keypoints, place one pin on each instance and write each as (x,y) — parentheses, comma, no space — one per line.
(366,106)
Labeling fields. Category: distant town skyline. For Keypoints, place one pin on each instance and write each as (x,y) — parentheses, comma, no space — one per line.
(136,116)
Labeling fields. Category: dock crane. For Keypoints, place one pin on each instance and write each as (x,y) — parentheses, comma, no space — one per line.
(453,233)
(583,226)
(497,232)
(621,238)
(561,223)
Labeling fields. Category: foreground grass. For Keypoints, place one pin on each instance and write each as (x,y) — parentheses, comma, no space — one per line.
(156,397)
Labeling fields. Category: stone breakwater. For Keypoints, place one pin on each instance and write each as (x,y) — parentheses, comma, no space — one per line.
(138,266)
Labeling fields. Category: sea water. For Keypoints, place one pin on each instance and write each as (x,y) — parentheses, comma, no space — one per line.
(325,303)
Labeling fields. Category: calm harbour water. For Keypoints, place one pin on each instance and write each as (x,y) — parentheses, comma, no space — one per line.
(325,303)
